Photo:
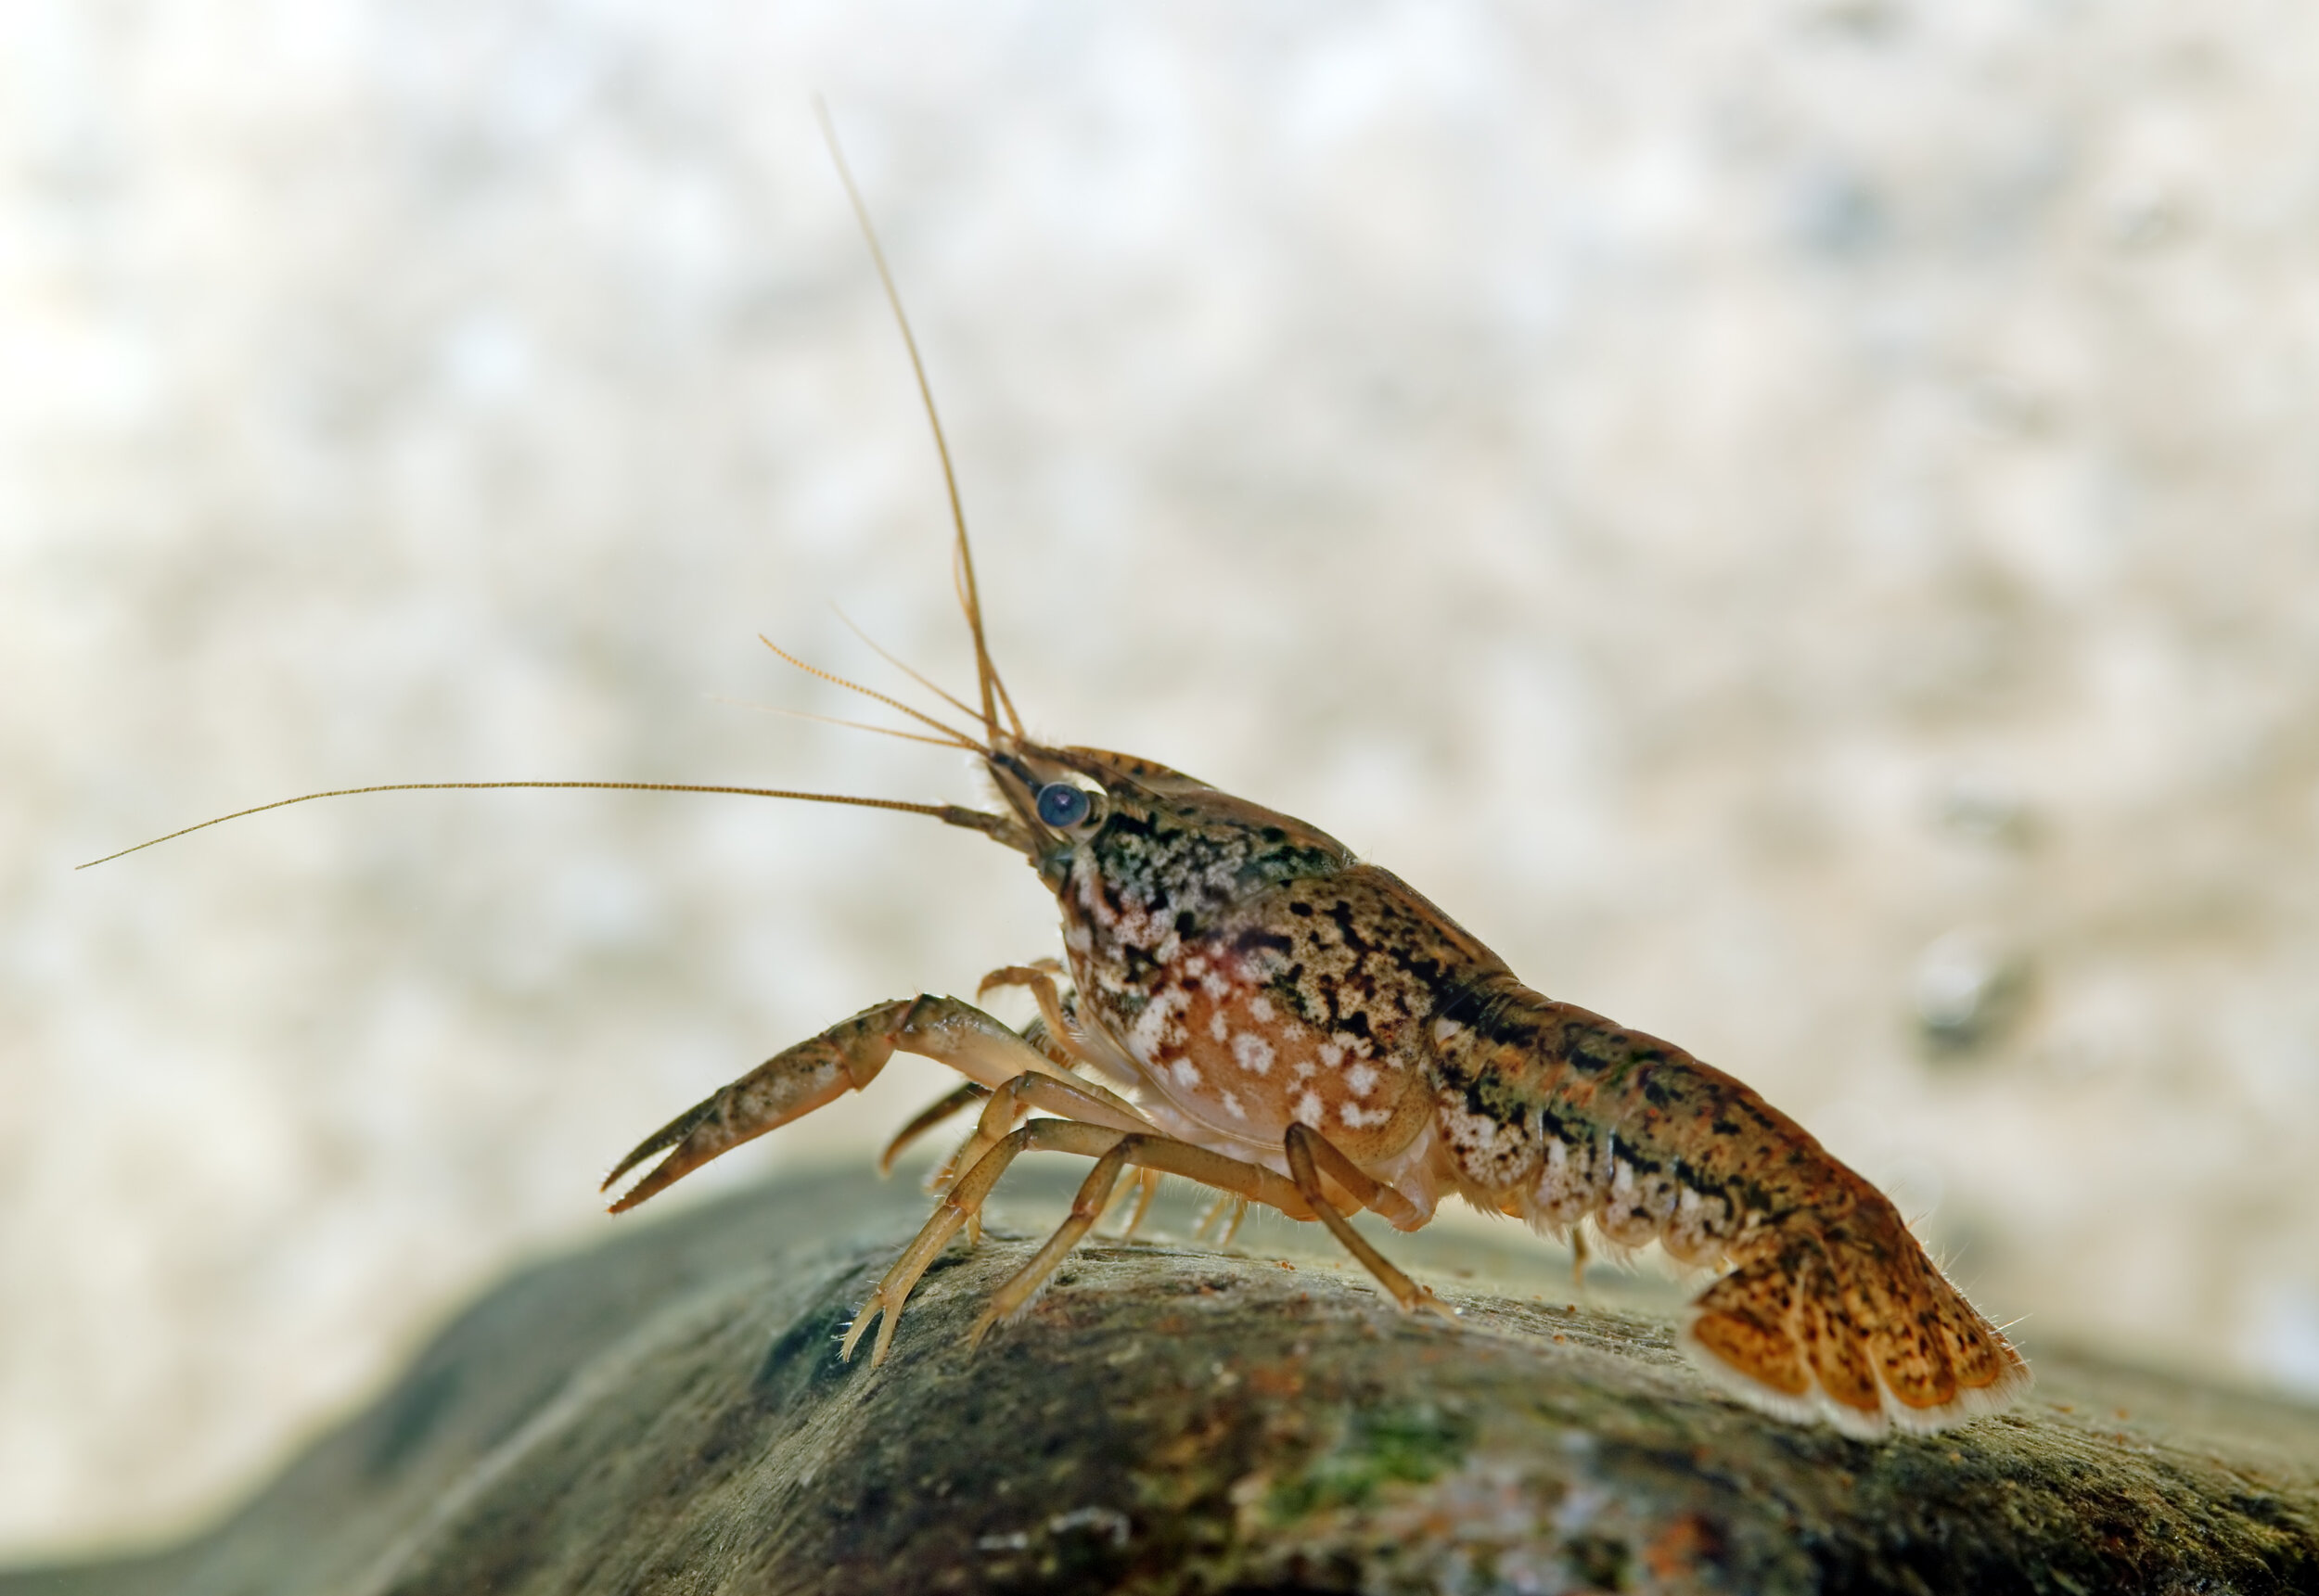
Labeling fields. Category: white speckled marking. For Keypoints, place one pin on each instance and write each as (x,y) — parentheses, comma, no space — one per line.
(1697,1225)
(1309,1109)
(1253,1053)
(1156,1027)
(1360,1077)
(1186,1074)
(1637,1204)
(1260,1008)
(1496,1156)
(1565,1191)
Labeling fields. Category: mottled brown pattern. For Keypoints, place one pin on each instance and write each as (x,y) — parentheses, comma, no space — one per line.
(1241,975)
(1198,925)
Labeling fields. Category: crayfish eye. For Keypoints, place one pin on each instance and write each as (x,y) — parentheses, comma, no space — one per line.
(1062,806)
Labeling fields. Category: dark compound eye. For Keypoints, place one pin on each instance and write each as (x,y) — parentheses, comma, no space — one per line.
(1063,806)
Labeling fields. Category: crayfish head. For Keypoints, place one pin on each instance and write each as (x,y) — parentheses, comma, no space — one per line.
(1113,832)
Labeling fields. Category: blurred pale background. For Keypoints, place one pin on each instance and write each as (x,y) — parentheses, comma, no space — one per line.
(1797,522)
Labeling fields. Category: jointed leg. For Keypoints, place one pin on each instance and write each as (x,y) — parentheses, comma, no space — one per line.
(1040,977)
(933,1113)
(1095,1193)
(1073,1099)
(1147,1188)
(1067,1037)
(1309,1152)
(1223,1216)
(1241,1183)
(1142,1149)
(963,1198)
(845,1057)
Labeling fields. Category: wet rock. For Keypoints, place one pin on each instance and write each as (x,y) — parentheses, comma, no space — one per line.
(667,1412)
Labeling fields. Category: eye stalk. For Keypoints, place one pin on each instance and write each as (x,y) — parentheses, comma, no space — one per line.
(1063,806)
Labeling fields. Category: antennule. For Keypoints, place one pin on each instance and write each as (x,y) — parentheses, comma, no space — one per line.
(832,720)
(877,648)
(958,739)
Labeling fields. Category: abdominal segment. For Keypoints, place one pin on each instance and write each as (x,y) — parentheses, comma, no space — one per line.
(1558,1116)
(1833,1308)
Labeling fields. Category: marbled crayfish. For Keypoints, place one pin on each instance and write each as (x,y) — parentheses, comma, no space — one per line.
(1244,1003)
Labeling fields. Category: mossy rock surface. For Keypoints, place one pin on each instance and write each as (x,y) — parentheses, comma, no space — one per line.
(667,1412)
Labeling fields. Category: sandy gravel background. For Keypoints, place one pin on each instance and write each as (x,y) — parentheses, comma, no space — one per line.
(1797,522)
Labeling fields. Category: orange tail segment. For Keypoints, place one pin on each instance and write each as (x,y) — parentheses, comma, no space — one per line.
(1848,1320)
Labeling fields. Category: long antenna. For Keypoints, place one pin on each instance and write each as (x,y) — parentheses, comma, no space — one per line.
(969,596)
(993,691)
(949,813)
